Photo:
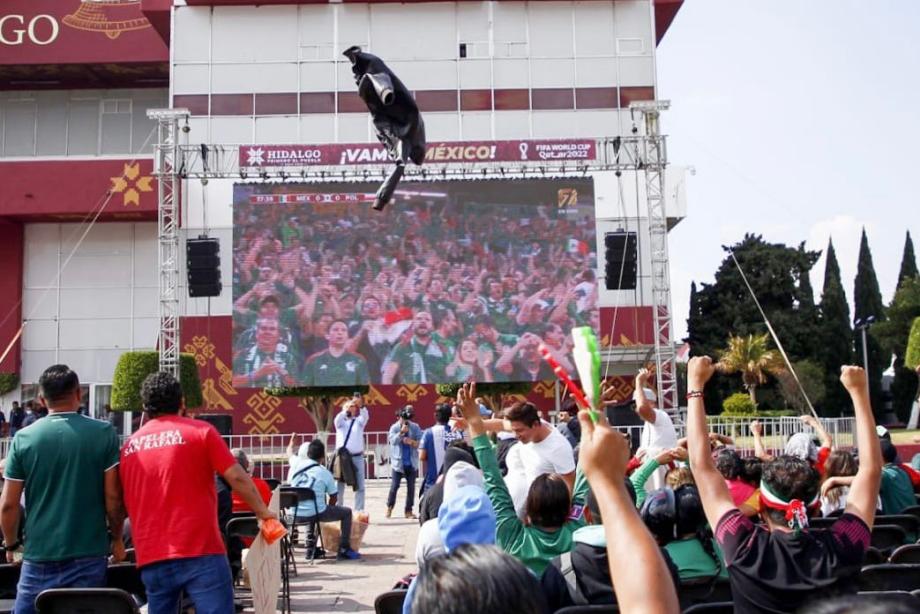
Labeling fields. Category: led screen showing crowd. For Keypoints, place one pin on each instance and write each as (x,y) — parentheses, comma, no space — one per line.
(457,280)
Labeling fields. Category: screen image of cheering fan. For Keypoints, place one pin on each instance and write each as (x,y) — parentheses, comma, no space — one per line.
(464,282)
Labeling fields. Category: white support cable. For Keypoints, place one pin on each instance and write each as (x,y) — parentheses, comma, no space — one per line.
(776,340)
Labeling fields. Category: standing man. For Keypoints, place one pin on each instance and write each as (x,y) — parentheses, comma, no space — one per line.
(658,432)
(404,440)
(167,470)
(68,464)
(17,416)
(434,444)
(32,414)
(349,434)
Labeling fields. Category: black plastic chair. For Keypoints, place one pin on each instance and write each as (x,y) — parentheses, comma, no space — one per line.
(390,602)
(892,597)
(291,497)
(9,578)
(272,483)
(126,577)
(589,609)
(888,577)
(887,537)
(906,554)
(874,556)
(703,590)
(908,522)
(913,510)
(85,601)
(249,527)
(822,523)
(722,607)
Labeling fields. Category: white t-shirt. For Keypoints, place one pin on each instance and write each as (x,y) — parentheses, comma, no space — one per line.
(552,455)
(658,435)
(356,438)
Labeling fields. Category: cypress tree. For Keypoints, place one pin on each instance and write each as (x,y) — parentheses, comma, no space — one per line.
(908,262)
(835,336)
(867,302)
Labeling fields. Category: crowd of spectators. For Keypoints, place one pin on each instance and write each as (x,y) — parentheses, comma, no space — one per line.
(453,288)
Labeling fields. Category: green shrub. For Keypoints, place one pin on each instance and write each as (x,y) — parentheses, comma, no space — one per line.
(738,404)
(134,367)
(912,356)
(8,382)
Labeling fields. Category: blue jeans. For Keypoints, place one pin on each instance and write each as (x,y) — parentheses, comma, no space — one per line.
(205,579)
(35,577)
(359,492)
(395,478)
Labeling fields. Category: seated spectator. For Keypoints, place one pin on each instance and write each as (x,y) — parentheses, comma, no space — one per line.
(752,474)
(547,531)
(800,445)
(731,467)
(897,491)
(239,504)
(582,577)
(781,566)
(834,495)
(649,467)
(456,452)
(693,550)
(467,517)
(429,542)
(543,449)
(310,473)
(477,578)
(679,476)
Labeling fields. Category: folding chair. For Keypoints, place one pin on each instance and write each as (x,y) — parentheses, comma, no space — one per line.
(589,609)
(126,577)
(822,523)
(292,496)
(272,483)
(892,597)
(913,510)
(906,554)
(390,602)
(887,537)
(85,601)
(887,577)
(249,527)
(703,590)
(722,607)
(9,578)
(874,556)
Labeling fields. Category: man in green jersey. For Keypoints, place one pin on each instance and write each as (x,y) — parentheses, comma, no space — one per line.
(422,359)
(67,464)
(336,366)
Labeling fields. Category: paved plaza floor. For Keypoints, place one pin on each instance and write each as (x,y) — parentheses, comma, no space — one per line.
(388,553)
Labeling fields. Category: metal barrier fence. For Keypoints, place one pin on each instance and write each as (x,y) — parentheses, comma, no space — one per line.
(268,453)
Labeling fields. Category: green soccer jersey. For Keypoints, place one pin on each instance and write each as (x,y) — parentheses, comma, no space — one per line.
(62,459)
(324,369)
(421,364)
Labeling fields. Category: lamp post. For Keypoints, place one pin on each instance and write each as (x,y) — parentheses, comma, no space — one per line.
(862,325)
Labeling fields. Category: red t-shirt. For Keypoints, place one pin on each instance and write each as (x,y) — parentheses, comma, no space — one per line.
(264,491)
(167,473)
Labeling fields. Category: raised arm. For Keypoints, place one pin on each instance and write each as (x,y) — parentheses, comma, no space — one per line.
(644,585)
(863,494)
(823,436)
(759,450)
(643,404)
(713,491)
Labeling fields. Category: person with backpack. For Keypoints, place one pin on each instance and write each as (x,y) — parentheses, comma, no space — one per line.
(349,446)
(307,471)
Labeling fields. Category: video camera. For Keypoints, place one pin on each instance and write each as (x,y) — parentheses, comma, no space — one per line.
(406,413)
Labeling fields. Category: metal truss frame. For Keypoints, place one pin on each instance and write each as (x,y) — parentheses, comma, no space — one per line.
(175,162)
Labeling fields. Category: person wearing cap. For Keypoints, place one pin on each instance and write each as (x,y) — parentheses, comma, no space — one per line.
(404,438)
(782,564)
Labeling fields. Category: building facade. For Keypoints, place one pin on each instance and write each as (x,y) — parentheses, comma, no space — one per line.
(76,80)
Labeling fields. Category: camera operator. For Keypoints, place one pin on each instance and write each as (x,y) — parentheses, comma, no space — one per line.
(404,441)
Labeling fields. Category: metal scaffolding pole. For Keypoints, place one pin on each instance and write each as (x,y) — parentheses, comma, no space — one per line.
(654,161)
(166,169)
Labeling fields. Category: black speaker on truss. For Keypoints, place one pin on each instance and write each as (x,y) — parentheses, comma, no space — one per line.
(203,264)
(620,270)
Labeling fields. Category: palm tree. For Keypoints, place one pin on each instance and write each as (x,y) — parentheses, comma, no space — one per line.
(752,357)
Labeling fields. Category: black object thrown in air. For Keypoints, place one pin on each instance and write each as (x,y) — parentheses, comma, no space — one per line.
(396,117)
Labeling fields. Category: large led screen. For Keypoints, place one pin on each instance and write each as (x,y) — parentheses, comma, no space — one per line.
(455,280)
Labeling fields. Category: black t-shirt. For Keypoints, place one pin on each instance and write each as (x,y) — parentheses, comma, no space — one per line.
(776,571)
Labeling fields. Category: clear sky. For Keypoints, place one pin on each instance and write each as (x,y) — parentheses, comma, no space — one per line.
(802,120)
